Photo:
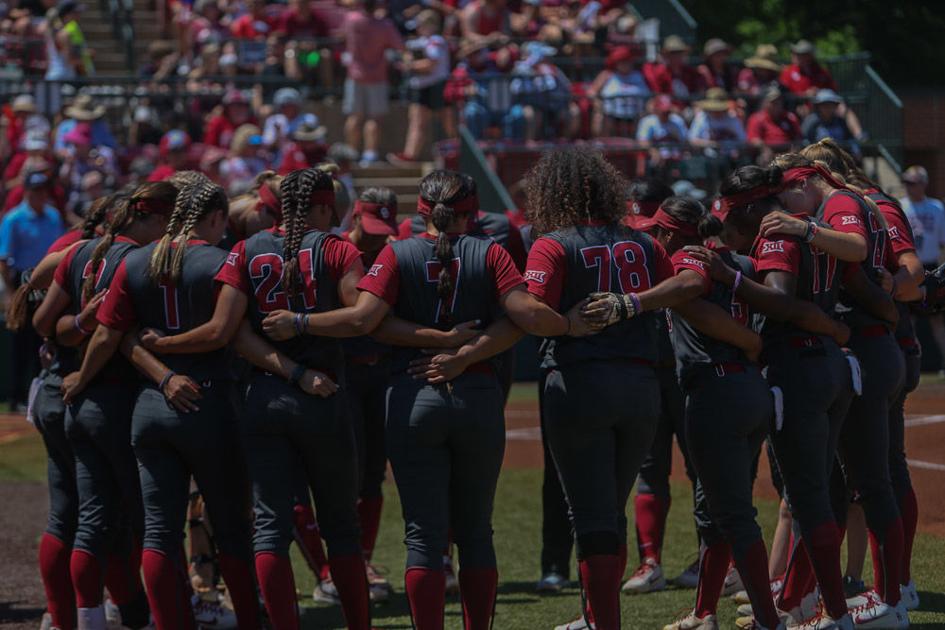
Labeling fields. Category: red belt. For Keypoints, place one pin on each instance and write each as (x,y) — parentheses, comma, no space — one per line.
(876,330)
(806,342)
(729,367)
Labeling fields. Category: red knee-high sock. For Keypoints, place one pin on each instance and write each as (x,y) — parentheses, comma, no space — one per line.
(54,558)
(351,582)
(277,584)
(310,540)
(713,566)
(369,514)
(86,579)
(238,575)
(426,593)
(168,596)
(477,587)
(601,578)
(753,569)
(650,515)
(799,578)
(909,509)
(123,576)
(887,561)
(824,549)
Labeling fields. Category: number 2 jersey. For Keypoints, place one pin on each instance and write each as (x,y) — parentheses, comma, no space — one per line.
(254,266)
(694,348)
(567,265)
(134,299)
(406,273)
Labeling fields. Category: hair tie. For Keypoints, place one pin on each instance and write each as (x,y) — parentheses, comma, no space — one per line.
(463,206)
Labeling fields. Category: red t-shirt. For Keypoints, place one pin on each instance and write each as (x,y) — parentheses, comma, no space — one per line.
(900,235)
(65,241)
(761,126)
(682,261)
(662,81)
(117,310)
(800,81)
(339,256)
(295,26)
(777,255)
(844,214)
(546,269)
(249,27)
(220,130)
(383,278)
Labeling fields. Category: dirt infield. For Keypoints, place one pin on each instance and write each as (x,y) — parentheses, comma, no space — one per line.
(925,444)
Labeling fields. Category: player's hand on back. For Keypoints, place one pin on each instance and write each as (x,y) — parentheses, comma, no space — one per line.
(783,224)
(438,366)
(280,325)
(841,333)
(718,269)
(71,387)
(590,315)
(182,393)
(460,334)
(316,383)
(148,338)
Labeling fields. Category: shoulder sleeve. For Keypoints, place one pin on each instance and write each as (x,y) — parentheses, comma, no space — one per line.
(383,278)
(663,264)
(504,271)
(340,256)
(682,261)
(545,271)
(117,311)
(900,235)
(778,256)
(405,229)
(516,247)
(234,270)
(844,214)
(61,275)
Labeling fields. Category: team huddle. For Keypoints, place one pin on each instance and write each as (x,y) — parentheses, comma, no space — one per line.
(273,360)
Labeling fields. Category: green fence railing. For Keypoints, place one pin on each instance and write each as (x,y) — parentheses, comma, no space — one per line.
(493,196)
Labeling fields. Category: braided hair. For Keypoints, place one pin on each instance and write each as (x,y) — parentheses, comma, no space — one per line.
(197,197)
(126,213)
(571,186)
(441,189)
(97,214)
(296,191)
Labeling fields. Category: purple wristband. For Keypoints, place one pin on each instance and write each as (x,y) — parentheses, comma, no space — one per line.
(637,306)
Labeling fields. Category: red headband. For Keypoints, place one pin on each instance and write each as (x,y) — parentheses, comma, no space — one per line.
(463,206)
(803,173)
(268,199)
(668,222)
(724,205)
(154,206)
(323,197)
(360,207)
(642,208)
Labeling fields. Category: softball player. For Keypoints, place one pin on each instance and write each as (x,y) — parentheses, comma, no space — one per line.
(168,286)
(864,441)
(299,265)
(908,274)
(97,423)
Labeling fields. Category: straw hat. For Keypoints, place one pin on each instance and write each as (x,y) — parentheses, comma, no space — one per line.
(716,100)
(83,108)
(675,43)
(714,46)
(765,58)
(24,103)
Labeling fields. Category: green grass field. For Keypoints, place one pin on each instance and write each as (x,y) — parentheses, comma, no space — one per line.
(517,537)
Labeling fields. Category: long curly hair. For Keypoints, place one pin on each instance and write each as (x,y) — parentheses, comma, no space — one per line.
(296,190)
(197,197)
(572,186)
(442,189)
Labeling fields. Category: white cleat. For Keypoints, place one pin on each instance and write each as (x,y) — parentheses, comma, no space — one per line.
(578,624)
(646,579)
(691,622)
(902,615)
(806,610)
(875,615)
(909,595)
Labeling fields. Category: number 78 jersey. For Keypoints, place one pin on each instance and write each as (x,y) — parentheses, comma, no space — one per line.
(567,265)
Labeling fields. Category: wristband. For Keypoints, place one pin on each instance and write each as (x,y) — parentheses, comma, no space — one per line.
(78,326)
(301,319)
(623,308)
(738,281)
(811,232)
(637,306)
(167,379)
(297,373)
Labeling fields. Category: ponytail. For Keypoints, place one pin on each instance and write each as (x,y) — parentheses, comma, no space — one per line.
(97,214)
(296,191)
(18,308)
(442,216)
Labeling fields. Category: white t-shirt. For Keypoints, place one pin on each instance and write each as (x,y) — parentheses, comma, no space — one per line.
(927,218)
(436,49)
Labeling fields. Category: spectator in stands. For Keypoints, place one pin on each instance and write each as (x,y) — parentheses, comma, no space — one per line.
(827,122)
(427,66)
(67,50)
(287,117)
(620,92)
(162,61)
(239,170)
(489,96)
(83,155)
(304,55)
(529,22)
(57,193)
(483,18)
(661,128)
(545,92)
(235,112)
(805,76)
(84,111)
(34,145)
(91,188)
(715,69)
(24,119)
(367,40)
(773,127)
(300,21)
(674,75)
(256,24)
(716,126)
(210,161)
(306,149)
(26,233)
(760,72)
(204,27)
(173,153)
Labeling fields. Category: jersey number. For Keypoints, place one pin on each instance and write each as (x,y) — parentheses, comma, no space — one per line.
(171,312)
(265,270)
(630,259)
(433,269)
(878,240)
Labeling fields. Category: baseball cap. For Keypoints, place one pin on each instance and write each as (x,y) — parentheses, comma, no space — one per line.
(915,175)
(827,96)
(773,93)
(376,219)
(802,47)
(286,96)
(685,188)
(24,103)
(174,140)
(715,45)
(35,141)
(35,179)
